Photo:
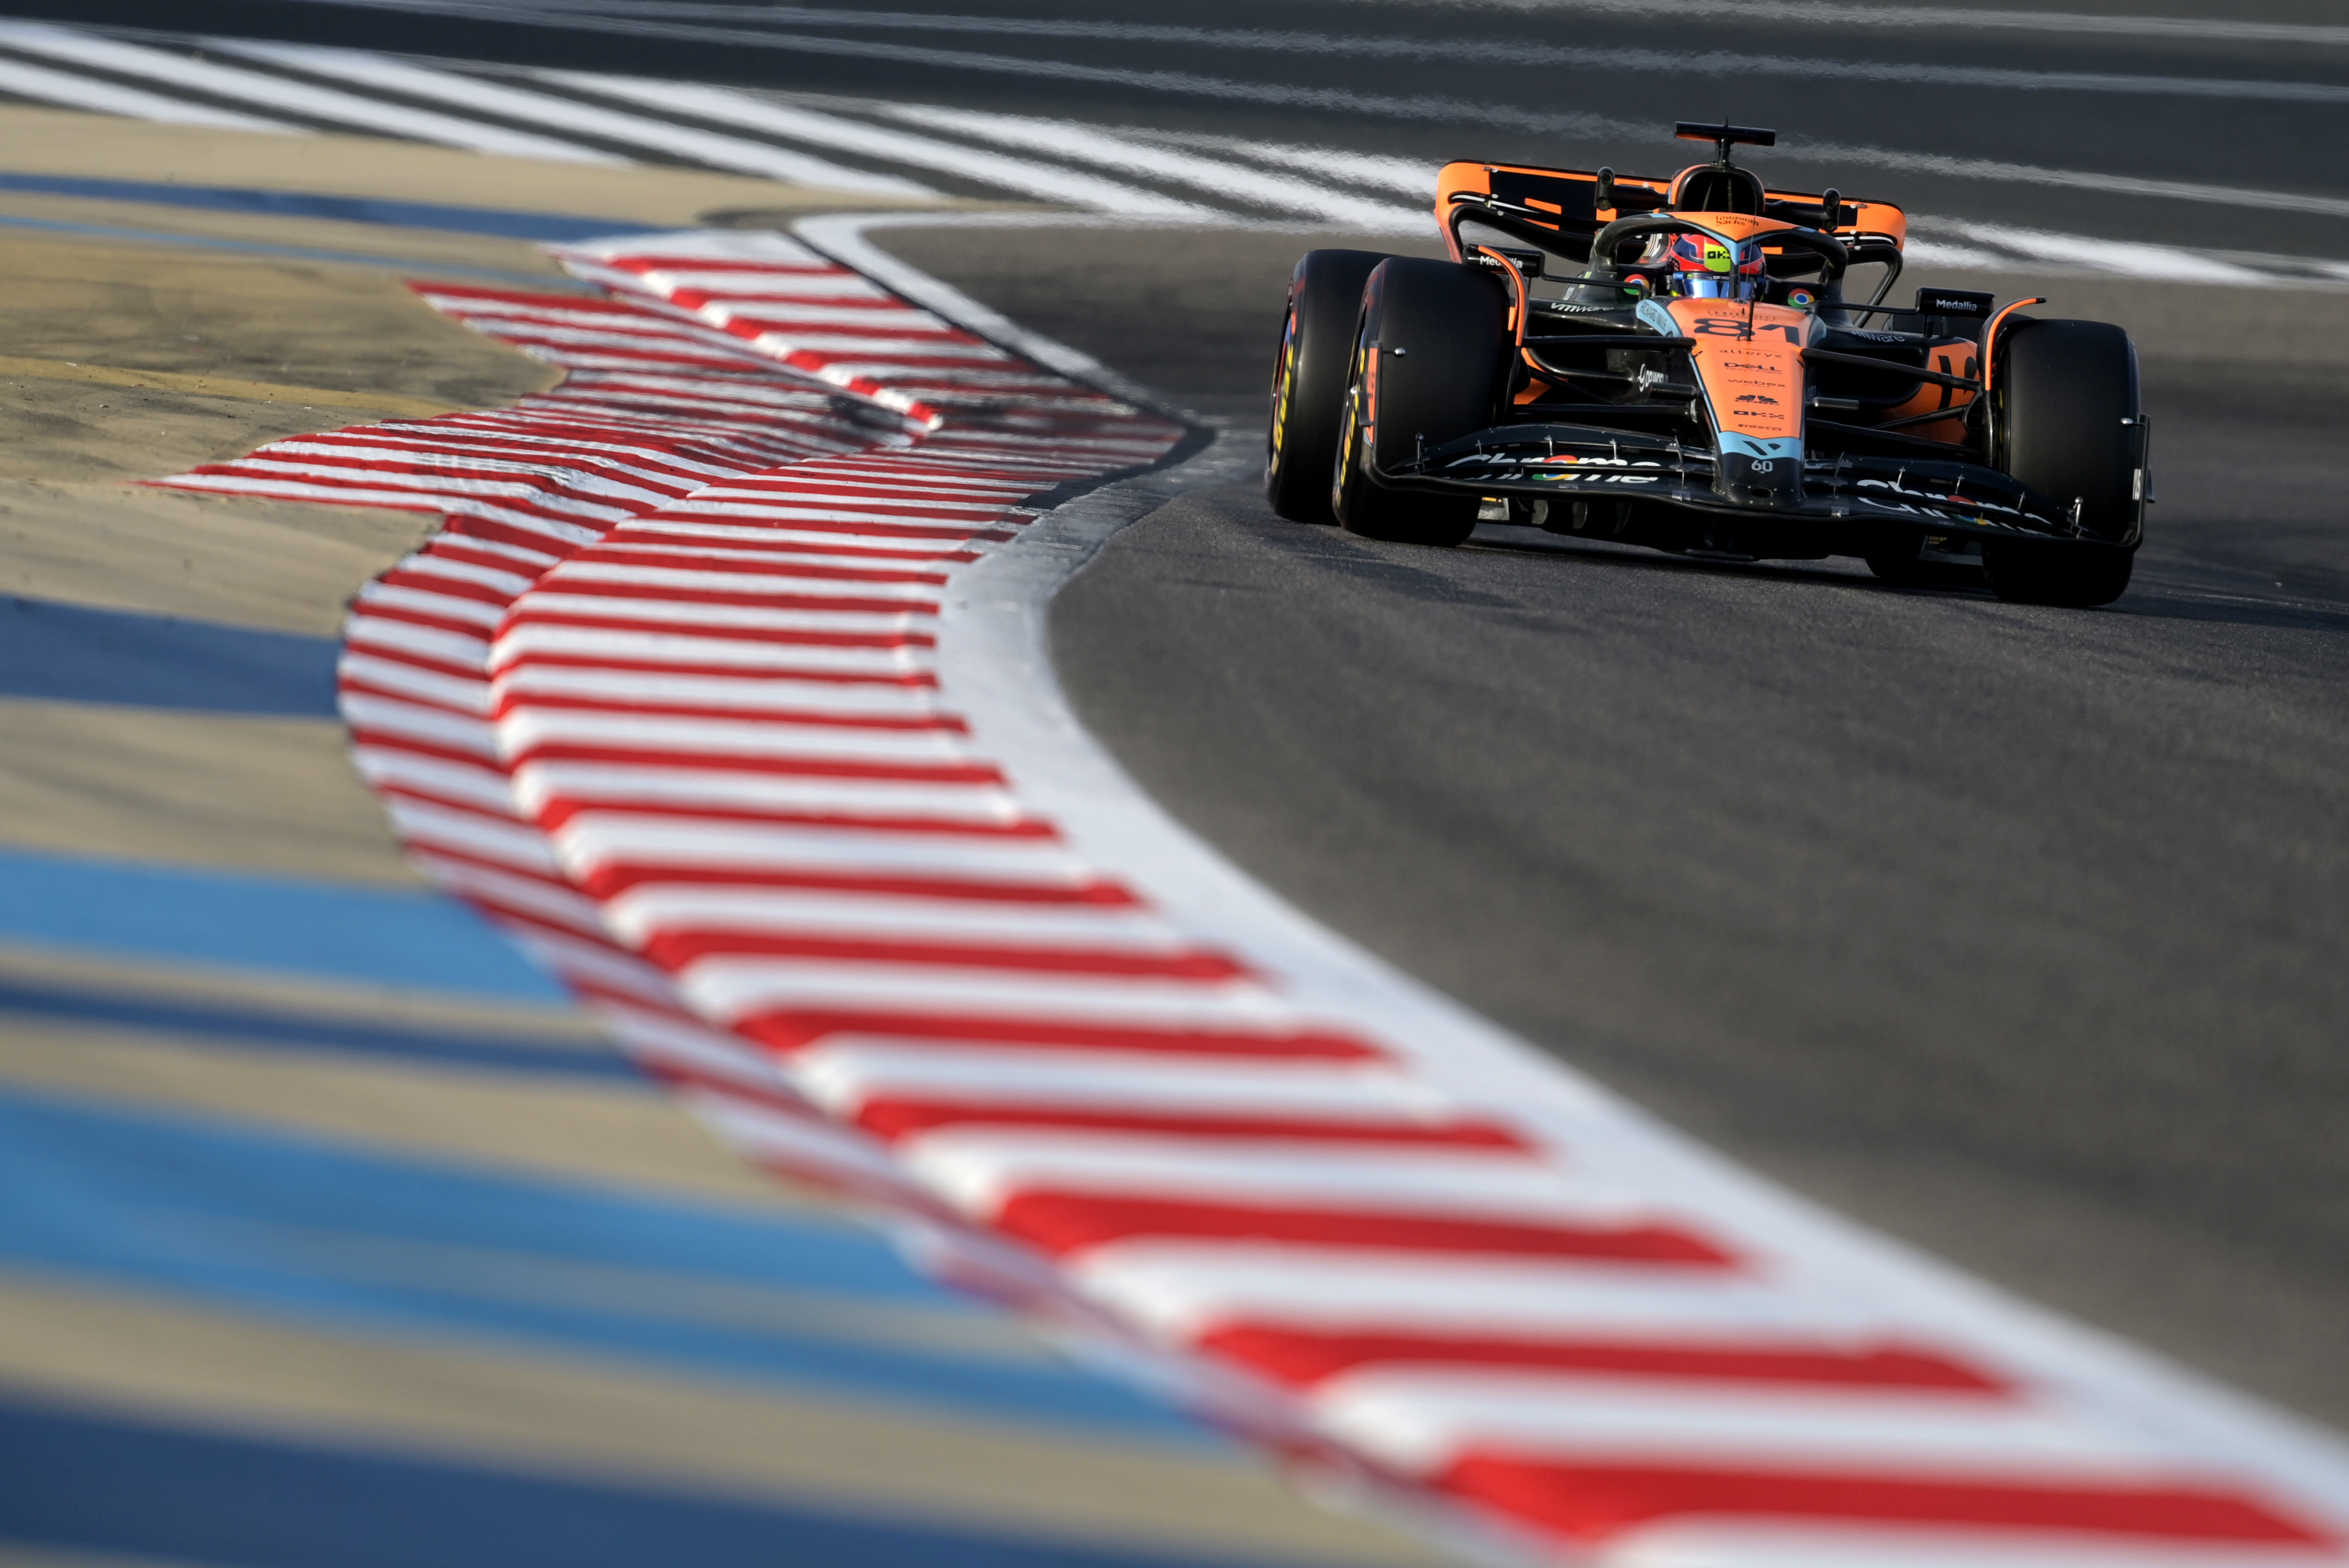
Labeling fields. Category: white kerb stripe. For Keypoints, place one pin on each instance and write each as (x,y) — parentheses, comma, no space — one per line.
(1421,1422)
(685,616)
(1182,1288)
(1751,1541)
(524,727)
(588,119)
(752,693)
(681,647)
(596,837)
(1051,181)
(112,98)
(852,1075)
(690,907)
(731,988)
(656,783)
(1070,139)
(277,92)
(984,1167)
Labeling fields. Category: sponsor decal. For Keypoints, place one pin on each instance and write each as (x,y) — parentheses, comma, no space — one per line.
(1735,445)
(1800,298)
(1756,398)
(1955,302)
(1593,462)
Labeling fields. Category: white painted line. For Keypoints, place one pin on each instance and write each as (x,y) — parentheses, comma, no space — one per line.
(1413,177)
(1962,18)
(843,239)
(1050,182)
(2104,183)
(1109,150)
(730,152)
(1521,53)
(1822,13)
(267,91)
(2127,259)
(112,98)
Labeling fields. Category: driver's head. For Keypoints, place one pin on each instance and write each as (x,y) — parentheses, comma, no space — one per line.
(1704,268)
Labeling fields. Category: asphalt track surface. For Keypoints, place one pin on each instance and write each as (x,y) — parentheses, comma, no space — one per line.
(2015,931)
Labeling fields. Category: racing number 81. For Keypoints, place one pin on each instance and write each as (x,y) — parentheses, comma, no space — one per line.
(1729,327)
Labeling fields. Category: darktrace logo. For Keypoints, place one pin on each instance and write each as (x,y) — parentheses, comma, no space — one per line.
(1755,398)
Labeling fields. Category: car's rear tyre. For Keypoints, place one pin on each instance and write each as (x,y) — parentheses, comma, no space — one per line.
(1429,365)
(1309,380)
(2068,428)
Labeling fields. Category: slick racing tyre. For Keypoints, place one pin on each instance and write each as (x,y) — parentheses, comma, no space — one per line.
(1429,365)
(2068,429)
(1309,380)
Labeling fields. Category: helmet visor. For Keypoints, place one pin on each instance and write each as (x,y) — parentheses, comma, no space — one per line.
(1705,267)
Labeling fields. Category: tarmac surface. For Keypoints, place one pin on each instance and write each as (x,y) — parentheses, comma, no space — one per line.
(2013,931)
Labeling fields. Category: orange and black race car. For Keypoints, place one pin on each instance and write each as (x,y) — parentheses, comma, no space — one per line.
(1682,364)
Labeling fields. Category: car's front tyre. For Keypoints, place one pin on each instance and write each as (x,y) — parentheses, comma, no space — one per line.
(1309,380)
(1430,361)
(2068,427)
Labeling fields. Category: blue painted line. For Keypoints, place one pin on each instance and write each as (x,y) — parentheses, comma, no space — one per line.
(407,265)
(257,1029)
(82,653)
(297,1228)
(548,228)
(384,936)
(106,1484)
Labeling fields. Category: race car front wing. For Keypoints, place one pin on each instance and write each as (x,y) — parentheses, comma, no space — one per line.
(1563,463)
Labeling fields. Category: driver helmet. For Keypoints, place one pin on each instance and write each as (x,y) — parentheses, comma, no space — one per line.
(1704,268)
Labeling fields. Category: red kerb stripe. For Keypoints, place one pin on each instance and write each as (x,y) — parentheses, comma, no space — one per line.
(675,950)
(794,1029)
(1596,1501)
(1304,1356)
(1064,1222)
(895,1119)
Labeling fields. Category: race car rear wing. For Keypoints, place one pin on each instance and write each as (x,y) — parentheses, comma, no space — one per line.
(1561,209)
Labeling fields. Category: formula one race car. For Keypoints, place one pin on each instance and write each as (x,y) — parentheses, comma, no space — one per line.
(1675,363)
